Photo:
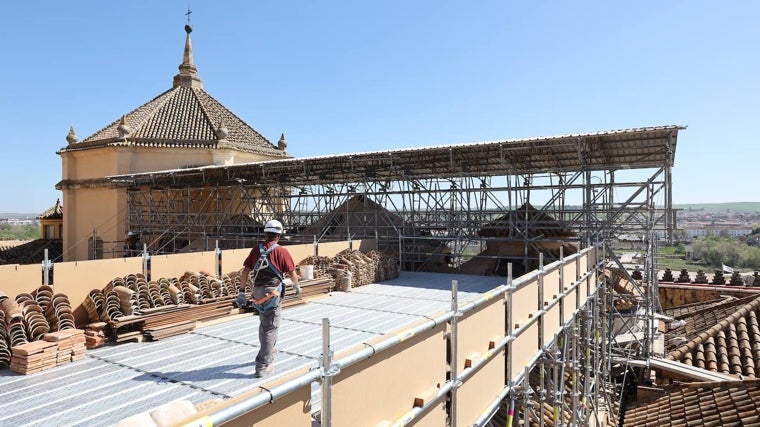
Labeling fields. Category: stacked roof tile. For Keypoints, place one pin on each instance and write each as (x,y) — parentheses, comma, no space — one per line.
(729,403)
(722,338)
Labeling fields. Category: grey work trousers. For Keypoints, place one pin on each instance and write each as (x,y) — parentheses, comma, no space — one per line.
(269,325)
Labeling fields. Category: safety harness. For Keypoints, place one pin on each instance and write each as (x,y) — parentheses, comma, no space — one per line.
(262,264)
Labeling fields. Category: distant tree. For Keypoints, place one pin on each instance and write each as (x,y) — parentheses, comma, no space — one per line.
(716,251)
(19,232)
(680,235)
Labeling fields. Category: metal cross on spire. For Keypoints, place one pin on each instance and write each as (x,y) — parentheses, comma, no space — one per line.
(188,13)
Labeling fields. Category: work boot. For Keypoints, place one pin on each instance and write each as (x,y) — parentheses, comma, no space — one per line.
(264,371)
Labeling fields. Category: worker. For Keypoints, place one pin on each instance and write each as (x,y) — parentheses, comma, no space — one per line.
(269,263)
(130,244)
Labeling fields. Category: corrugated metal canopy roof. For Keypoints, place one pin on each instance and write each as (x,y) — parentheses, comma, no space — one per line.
(639,148)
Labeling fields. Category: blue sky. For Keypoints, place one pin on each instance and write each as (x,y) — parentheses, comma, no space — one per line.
(352,76)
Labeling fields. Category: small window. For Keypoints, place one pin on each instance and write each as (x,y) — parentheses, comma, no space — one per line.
(50,232)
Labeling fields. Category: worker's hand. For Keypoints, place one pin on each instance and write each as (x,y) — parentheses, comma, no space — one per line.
(297,289)
(241,301)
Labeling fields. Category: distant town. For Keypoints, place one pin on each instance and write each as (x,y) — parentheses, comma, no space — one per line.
(693,223)
(19,221)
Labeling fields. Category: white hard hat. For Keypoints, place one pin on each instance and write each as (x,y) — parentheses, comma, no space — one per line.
(131,233)
(273,226)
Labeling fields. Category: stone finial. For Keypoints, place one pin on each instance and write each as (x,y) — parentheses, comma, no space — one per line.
(124,129)
(282,144)
(72,137)
(188,74)
(221,131)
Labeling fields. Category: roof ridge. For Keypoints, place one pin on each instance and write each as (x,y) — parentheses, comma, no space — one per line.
(726,303)
(232,113)
(689,346)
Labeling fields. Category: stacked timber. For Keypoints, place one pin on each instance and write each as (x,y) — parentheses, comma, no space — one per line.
(168,321)
(309,288)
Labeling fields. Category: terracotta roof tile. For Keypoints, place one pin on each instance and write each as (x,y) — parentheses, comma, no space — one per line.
(700,404)
(55,212)
(729,345)
(32,252)
(181,117)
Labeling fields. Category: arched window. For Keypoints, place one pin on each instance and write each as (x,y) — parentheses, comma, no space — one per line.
(94,248)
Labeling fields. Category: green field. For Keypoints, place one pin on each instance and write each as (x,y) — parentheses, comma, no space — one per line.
(721,207)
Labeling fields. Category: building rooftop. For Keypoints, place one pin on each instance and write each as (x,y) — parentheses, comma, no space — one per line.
(728,403)
(216,361)
(184,116)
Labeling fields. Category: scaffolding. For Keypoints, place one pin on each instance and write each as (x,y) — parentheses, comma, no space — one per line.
(445,206)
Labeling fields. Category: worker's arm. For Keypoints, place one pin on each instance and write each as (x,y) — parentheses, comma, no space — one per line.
(244,278)
(294,278)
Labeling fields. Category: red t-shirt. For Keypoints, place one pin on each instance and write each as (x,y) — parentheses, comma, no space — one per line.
(279,257)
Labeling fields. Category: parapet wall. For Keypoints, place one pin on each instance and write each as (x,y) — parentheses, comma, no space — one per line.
(471,357)
(76,279)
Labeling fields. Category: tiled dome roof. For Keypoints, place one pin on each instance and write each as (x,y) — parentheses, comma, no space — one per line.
(183,116)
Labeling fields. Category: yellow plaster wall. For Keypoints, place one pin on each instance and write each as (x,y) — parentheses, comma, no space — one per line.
(76,279)
(390,382)
(293,409)
(177,264)
(551,323)
(99,210)
(551,285)
(525,301)
(479,327)
(476,329)
(56,223)
(478,391)
(16,279)
(523,348)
